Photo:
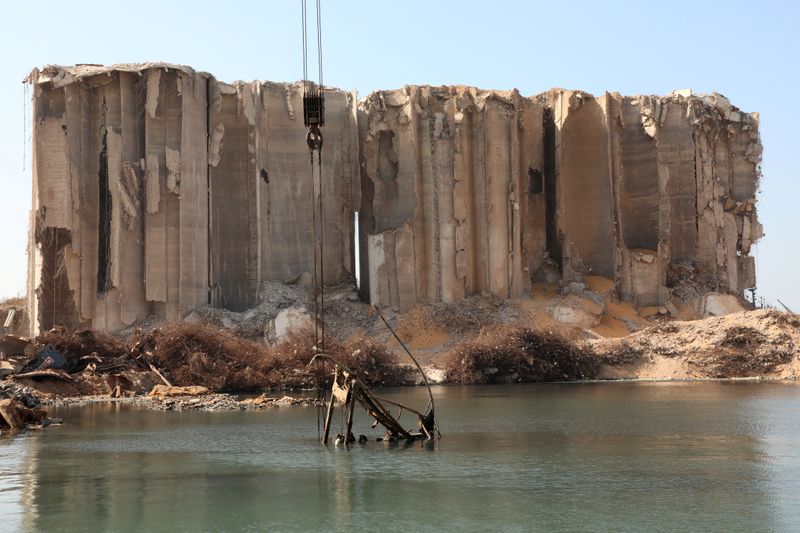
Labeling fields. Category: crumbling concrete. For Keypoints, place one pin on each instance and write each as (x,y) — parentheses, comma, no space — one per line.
(452,201)
(159,190)
(468,192)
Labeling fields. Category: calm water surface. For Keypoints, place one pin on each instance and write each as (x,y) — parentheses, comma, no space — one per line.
(572,457)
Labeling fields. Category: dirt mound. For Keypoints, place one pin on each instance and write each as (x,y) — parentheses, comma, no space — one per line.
(504,353)
(747,344)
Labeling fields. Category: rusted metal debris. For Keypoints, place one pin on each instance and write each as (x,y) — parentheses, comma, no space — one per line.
(348,390)
(15,415)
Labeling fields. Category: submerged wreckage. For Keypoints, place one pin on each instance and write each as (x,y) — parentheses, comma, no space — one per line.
(347,390)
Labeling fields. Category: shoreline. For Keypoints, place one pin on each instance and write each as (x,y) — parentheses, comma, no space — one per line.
(260,401)
(228,372)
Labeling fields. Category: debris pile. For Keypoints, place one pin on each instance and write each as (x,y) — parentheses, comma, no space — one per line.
(510,354)
(20,409)
(62,363)
(15,415)
(202,354)
(76,351)
(180,362)
(747,344)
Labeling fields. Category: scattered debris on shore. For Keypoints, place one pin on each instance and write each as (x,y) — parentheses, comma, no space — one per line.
(202,366)
(21,409)
(189,401)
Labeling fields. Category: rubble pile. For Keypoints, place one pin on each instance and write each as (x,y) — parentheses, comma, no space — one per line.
(747,344)
(21,409)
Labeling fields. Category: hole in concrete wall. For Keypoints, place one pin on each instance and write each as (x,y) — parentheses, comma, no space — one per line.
(104,211)
(535,181)
(387,157)
(551,231)
(56,302)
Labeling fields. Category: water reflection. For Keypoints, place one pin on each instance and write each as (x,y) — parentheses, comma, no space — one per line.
(577,456)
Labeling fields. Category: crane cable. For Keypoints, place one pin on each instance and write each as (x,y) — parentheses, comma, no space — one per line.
(321,195)
(313,116)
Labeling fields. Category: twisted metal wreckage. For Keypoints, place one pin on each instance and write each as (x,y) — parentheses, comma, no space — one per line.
(346,388)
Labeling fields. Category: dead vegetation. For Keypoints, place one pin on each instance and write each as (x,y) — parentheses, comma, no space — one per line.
(470,315)
(188,354)
(82,348)
(745,351)
(625,353)
(506,354)
(201,354)
(85,362)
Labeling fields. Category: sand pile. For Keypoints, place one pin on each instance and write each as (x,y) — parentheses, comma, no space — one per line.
(751,343)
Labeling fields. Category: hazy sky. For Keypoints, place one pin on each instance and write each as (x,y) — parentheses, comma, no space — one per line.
(744,50)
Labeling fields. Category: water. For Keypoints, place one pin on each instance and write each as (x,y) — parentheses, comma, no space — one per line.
(573,457)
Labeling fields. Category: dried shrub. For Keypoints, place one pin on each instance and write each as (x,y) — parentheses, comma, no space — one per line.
(202,354)
(74,345)
(467,316)
(745,351)
(623,353)
(785,319)
(743,337)
(370,360)
(503,353)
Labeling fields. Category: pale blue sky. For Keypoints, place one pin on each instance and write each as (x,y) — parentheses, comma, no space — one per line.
(744,50)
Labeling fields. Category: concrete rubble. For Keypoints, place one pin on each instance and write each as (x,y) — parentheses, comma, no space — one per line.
(160,191)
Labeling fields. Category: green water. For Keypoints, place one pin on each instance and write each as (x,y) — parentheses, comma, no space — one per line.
(573,457)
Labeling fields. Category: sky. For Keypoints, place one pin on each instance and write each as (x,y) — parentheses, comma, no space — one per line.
(743,49)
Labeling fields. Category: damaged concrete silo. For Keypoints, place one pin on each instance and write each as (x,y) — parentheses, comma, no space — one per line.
(159,189)
(452,201)
(469,192)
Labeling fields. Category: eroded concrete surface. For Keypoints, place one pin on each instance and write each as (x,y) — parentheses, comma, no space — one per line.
(159,189)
